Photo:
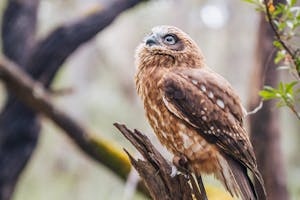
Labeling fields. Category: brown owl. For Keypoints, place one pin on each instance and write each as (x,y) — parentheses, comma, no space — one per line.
(194,111)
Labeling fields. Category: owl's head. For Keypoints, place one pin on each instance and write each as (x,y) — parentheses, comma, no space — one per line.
(168,46)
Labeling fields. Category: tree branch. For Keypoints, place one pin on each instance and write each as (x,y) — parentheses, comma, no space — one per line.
(18,28)
(19,127)
(34,95)
(51,52)
(155,171)
(278,37)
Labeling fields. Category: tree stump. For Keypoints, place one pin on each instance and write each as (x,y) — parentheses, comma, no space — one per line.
(155,171)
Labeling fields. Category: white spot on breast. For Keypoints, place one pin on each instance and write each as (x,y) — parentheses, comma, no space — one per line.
(182,126)
(212,128)
(194,82)
(154,120)
(202,112)
(156,109)
(203,143)
(210,95)
(196,147)
(220,103)
(204,118)
(163,134)
(203,88)
(187,141)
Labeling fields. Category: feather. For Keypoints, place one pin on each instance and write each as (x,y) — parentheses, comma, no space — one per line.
(240,176)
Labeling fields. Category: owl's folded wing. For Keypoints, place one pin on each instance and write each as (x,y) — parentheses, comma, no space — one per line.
(206,101)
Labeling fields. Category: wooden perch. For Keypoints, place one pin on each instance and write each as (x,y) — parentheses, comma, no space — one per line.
(155,171)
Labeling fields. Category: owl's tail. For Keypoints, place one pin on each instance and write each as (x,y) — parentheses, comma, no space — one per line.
(236,180)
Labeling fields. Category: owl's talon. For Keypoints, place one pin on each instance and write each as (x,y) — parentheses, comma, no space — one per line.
(181,162)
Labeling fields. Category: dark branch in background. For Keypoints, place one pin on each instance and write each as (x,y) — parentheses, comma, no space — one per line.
(34,95)
(51,52)
(155,171)
(18,29)
(19,125)
(278,37)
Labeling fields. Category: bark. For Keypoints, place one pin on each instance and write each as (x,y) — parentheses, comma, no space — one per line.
(264,125)
(155,171)
(19,125)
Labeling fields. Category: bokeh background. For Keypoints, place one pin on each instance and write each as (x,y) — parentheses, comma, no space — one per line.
(101,73)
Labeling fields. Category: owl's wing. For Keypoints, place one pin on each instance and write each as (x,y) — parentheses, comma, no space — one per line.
(206,101)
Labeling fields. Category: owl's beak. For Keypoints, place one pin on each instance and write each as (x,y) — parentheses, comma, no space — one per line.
(151,40)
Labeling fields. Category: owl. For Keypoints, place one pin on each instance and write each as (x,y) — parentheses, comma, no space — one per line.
(194,111)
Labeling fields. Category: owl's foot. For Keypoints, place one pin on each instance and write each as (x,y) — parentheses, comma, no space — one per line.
(180,164)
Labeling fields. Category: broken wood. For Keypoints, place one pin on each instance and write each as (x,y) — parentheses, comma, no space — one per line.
(155,171)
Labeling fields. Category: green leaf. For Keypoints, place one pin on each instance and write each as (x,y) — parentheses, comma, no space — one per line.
(281,26)
(297,61)
(279,56)
(281,87)
(266,95)
(250,1)
(292,2)
(277,44)
(289,87)
(270,89)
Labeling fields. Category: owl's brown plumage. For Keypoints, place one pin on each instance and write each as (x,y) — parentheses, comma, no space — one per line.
(194,111)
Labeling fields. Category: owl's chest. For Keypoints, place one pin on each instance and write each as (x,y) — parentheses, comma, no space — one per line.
(172,132)
(164,124)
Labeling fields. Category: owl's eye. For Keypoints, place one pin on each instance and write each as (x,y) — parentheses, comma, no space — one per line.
(170,39)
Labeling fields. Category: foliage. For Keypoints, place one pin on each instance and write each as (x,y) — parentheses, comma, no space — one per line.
(284,20)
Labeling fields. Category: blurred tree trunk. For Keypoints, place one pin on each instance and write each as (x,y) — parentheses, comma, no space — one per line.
(19,126)
(264,125)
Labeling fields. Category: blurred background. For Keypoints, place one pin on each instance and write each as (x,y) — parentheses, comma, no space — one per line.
(101,74)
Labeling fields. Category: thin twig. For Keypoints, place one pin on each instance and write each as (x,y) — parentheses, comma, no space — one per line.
(293,109)
(277,35)
(256,109)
